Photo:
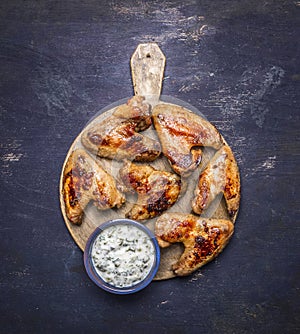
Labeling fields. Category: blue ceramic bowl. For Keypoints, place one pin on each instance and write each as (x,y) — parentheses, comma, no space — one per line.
(95,275)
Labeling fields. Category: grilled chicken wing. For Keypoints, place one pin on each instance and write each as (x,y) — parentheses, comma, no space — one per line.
(157,190)
(181,134)
(117,137)
(84,181)
(203,239)
(220,176)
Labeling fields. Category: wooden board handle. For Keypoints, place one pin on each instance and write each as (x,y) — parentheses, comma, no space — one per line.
(147,69)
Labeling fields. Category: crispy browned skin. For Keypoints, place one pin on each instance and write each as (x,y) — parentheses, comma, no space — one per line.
(157,190)
(181,133)
(202,238)
(117,136)
(84,181)
(220,176)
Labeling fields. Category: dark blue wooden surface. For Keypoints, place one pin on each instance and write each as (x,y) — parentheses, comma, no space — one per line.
(238,62)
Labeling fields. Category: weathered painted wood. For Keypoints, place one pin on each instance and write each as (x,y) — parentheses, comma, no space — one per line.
(238,63)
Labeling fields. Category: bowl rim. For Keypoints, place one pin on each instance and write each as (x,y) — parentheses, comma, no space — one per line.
(95,277)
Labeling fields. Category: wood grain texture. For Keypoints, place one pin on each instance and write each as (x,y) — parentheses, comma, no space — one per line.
(147,68)
(238,63)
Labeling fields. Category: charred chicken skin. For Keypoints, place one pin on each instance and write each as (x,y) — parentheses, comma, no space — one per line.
(157,190)
(221,175)
(117,136)
(181,134)
(84,180)
(202,238)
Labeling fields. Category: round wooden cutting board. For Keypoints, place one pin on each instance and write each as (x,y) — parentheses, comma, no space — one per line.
(147,66)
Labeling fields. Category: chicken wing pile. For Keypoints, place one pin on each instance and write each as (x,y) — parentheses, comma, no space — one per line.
(180,140)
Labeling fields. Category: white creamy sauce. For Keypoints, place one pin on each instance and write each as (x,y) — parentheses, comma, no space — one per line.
(123,255)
